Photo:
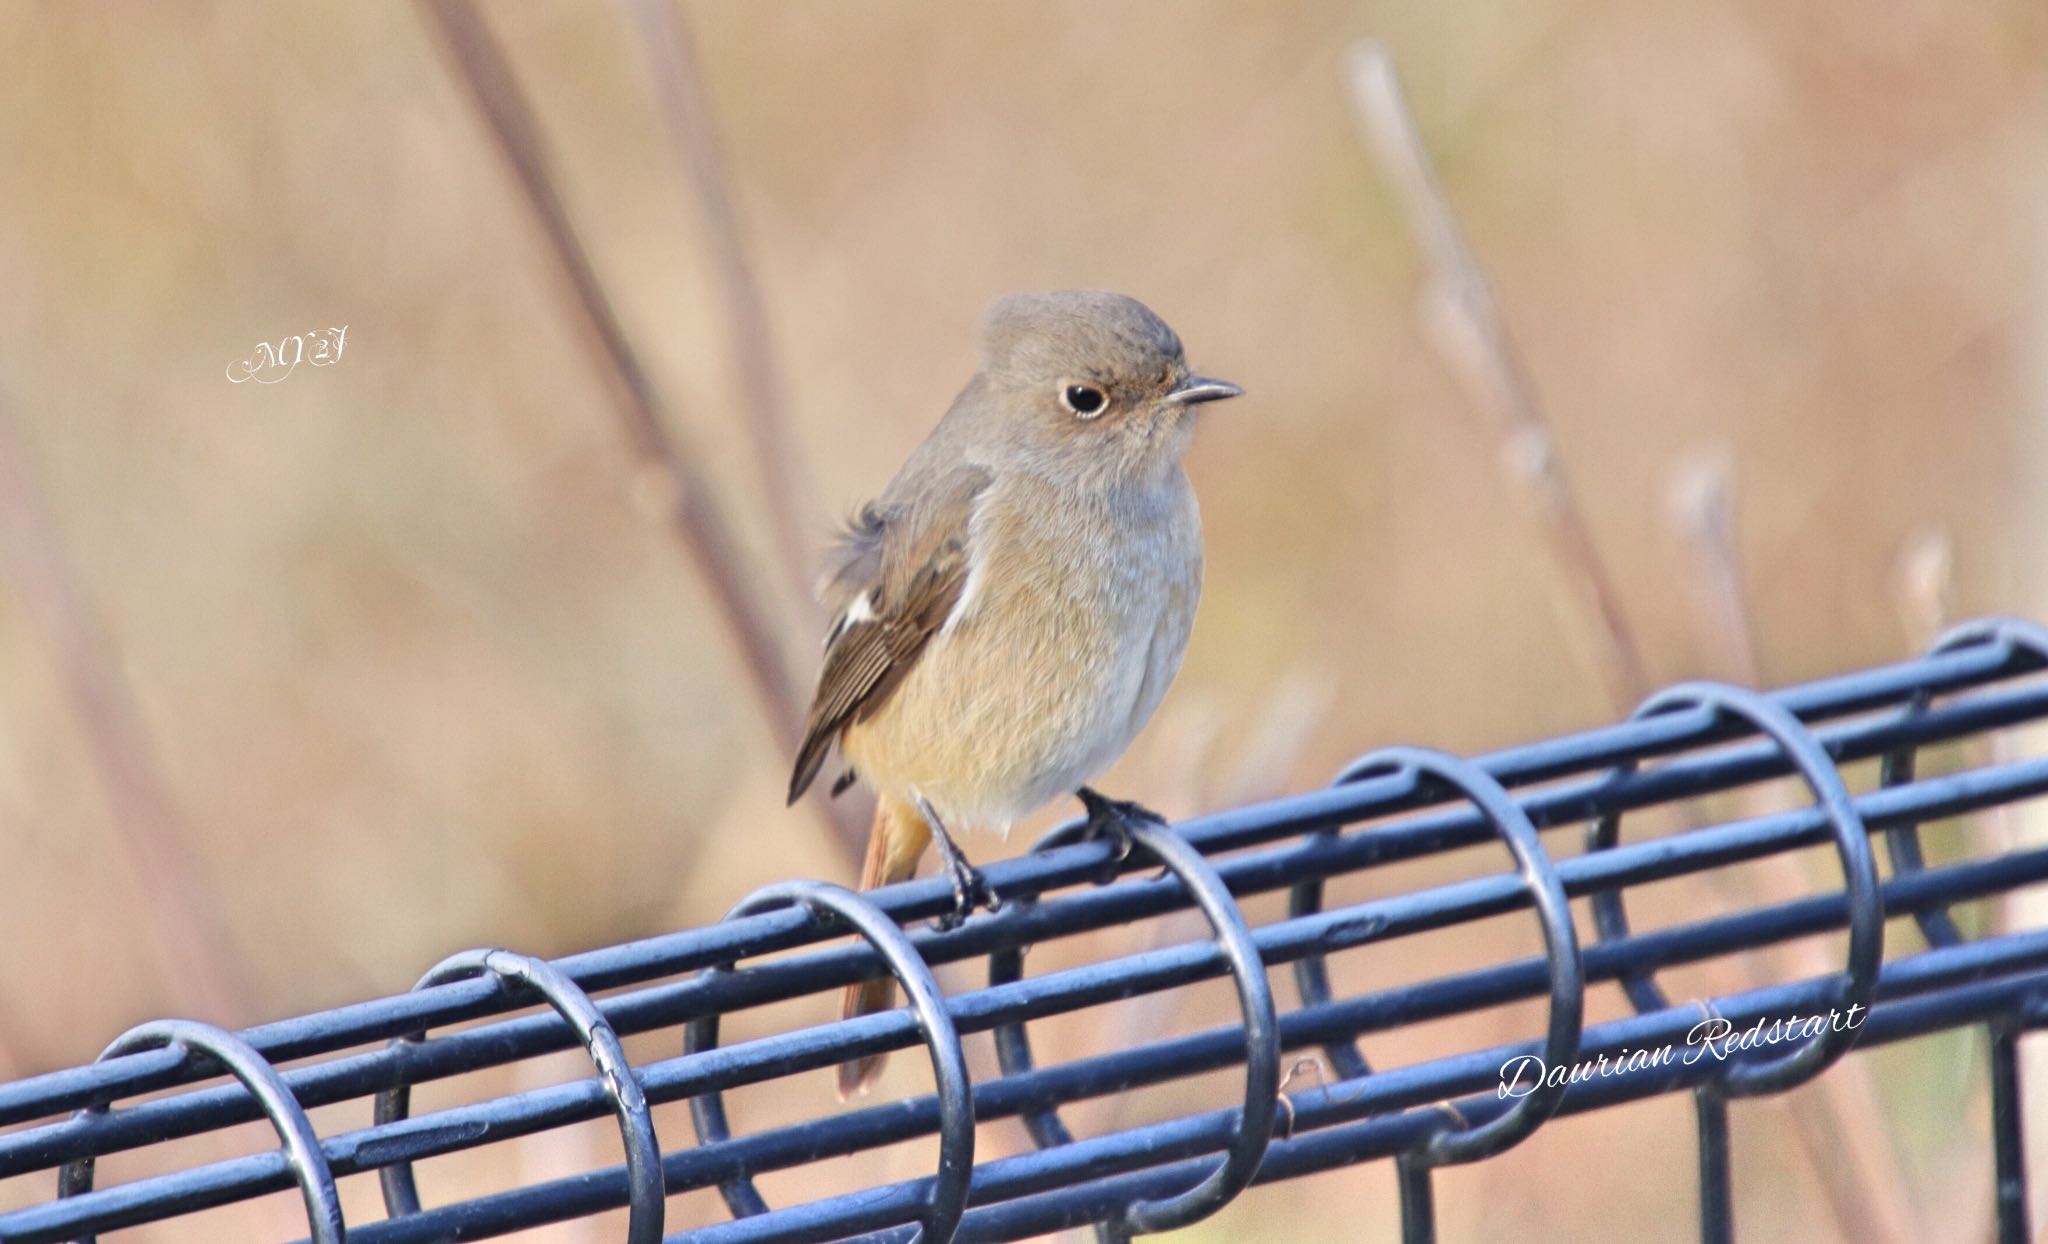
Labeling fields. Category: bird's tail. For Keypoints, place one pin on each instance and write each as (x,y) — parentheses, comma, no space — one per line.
(895,844)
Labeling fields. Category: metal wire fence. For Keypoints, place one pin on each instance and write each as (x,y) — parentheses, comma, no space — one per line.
(1396,805)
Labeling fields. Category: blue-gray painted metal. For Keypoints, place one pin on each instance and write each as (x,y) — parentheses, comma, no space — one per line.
(1694,740)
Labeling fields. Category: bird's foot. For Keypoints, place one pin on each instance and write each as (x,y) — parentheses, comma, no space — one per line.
(1114,819)
(970,888)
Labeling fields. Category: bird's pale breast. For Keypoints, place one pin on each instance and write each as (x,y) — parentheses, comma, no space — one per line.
(1073,623)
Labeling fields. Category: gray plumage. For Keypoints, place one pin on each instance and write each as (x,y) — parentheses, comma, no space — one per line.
(1008,613)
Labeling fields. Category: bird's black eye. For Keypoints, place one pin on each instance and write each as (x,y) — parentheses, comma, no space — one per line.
(1083,399)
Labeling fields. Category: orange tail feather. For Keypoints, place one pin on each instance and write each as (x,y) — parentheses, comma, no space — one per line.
(895,844)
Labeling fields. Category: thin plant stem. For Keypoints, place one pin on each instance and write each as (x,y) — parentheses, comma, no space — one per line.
(696,517)
(685,106)
(197,959)
(1464,322)
(1841,1126)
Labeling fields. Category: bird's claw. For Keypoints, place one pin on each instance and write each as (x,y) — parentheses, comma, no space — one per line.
(1112,819)
(971,890)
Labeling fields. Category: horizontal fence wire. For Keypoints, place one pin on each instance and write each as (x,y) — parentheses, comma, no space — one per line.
(174,1079)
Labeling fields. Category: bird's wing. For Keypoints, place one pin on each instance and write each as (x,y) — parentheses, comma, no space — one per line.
(895,579)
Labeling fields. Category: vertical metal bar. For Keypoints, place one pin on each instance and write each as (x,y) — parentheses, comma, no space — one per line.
(1717,1199)
(1312,972)
(2009,1161)
(1418,1202)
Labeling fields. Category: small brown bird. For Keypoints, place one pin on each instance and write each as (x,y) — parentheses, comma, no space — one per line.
(1008,614)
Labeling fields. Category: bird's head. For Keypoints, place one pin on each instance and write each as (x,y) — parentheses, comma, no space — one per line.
(1092,380)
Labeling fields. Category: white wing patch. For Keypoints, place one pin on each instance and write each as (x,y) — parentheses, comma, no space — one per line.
(861,610)
(976,566)
(967,595)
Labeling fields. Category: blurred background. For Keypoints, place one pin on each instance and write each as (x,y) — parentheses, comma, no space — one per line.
(306,684)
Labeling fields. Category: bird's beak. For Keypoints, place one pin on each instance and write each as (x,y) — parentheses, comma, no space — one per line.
(1202,389)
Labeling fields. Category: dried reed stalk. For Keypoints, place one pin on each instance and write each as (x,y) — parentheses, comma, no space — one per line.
(685,106)
(1923,593)
(1841,1127)
(1464,322)
(696,517)
(198,963)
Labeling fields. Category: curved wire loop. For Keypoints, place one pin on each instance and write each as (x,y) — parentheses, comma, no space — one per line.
(646,1192)
(1740,1078)
(1451,1146)
(1938,926)
(949,1059)
(1902,842)
(302,1150)
(1312,971)
(1262,1038)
